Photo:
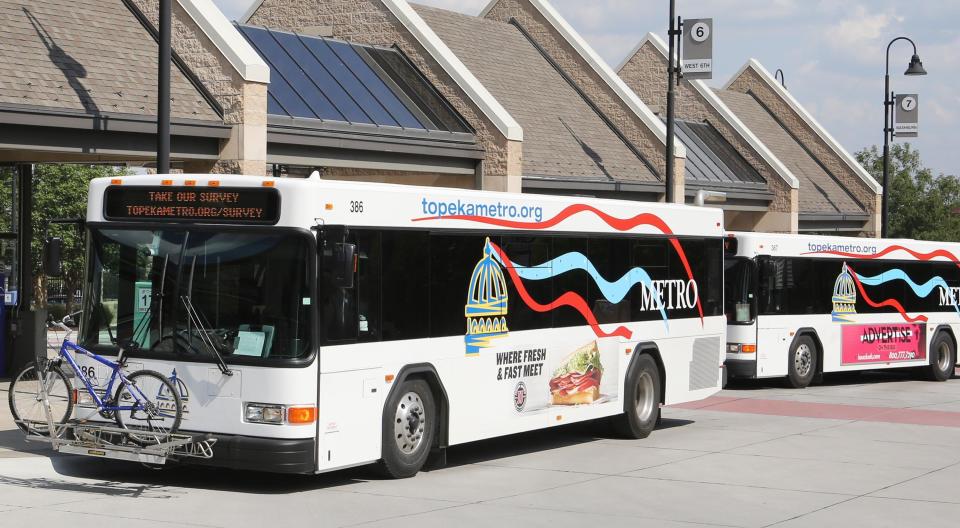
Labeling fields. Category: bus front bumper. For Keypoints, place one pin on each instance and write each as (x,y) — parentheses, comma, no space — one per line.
(741,368)
(274,455)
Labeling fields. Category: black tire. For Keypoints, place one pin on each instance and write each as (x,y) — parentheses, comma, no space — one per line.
(25,403)
(641,400)
(943,358)
(410,422)
(162,407)
(802,362)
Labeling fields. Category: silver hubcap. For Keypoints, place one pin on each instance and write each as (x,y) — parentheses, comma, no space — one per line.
(645,400)
(803,360)
(943,357)
(409,423)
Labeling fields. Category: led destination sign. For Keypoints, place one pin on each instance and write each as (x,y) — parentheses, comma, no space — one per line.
(212,205)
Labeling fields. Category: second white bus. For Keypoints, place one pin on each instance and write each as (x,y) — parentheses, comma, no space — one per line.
(798,306)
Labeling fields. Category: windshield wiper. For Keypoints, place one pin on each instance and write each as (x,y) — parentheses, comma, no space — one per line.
(204,335)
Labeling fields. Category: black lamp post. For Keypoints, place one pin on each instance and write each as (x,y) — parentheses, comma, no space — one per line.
(783,78)
(673,33)
(163,90)
(914,68)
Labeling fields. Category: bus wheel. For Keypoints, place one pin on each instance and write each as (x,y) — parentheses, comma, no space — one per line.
(943,358)
(802,365)
(642,397)
(409,425)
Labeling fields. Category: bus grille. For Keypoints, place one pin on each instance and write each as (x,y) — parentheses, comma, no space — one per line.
(705,367)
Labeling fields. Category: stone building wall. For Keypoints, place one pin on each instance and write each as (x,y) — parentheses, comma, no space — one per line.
(370,22)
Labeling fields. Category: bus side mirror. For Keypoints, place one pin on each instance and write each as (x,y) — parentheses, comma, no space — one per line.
(345,264)
(53,257)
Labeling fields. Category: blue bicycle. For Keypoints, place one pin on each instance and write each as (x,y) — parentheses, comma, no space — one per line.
(146,405)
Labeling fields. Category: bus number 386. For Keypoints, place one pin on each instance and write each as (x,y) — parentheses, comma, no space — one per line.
(356,206)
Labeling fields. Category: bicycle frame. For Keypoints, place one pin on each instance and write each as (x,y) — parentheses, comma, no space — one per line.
(115,375)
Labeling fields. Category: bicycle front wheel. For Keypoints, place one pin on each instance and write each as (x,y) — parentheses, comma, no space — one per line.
(149,407)
(26,398)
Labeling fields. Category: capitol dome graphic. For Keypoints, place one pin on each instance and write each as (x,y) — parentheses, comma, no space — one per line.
(486,306)
(844,297)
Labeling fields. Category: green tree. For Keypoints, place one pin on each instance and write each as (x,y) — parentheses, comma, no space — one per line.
(59,191)
(922,206)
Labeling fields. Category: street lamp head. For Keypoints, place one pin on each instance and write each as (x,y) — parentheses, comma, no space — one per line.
(915,67)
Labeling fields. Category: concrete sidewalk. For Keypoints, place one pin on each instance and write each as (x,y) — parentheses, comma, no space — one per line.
(757,455)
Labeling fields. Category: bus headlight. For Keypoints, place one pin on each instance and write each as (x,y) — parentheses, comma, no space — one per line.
(264,413)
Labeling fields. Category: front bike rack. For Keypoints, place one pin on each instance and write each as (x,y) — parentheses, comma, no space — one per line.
(97,439)
(103,441)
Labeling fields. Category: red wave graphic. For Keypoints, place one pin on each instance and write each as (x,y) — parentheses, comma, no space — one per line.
(620,224)
(886,251)
(570,299)
(893,303)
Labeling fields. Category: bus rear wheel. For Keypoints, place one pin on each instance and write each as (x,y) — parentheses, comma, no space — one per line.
(802,366)
(409,427)
(642,400)
(943,358)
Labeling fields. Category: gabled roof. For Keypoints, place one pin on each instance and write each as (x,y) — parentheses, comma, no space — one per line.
(794,105)
(603,70)
(820,191)
(701,88)
(49,59)
(565,137)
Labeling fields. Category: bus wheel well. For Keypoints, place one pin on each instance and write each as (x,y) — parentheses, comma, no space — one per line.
(946,329)
(812,334)
(653,351)
(427,373)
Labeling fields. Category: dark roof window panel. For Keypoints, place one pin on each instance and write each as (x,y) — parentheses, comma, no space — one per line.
(331,80)
(720,147)
(421,93)
(316,83)
(710,158)
(296,93)
(375,93)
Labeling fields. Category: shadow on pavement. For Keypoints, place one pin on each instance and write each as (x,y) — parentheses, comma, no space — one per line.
(863,377)
(108,488)
(117,478)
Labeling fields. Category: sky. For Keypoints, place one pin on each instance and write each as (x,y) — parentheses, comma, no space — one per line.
(832,53)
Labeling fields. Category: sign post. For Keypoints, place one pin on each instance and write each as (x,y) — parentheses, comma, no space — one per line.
(906,115)
(697,61)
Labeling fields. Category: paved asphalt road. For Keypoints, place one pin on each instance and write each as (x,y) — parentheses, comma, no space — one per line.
(872,450)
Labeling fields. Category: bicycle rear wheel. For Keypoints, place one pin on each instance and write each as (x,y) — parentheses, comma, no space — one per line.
(26,400)
(151,408)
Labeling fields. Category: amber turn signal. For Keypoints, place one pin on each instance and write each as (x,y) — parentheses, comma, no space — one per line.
(301,415)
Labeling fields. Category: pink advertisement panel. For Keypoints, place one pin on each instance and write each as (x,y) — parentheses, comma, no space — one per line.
(883,343)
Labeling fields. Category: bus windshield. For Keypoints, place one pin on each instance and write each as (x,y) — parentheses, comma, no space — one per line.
(193,293)
(739,298)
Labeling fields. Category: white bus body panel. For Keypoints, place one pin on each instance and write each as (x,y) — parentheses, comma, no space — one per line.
(353,379)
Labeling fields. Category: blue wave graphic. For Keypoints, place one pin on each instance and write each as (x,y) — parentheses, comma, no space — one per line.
(612,291)
(920,290)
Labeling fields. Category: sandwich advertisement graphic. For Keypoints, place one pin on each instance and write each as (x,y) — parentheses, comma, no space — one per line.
(577,379)
(542,378)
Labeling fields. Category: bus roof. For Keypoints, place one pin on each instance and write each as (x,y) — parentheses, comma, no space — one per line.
(306,202)
(752,244)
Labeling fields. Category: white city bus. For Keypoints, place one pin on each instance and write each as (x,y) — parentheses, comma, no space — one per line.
(370,322)
(801,305)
